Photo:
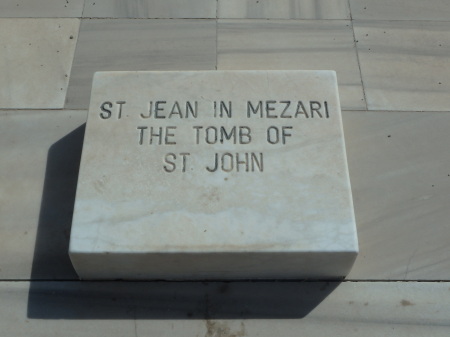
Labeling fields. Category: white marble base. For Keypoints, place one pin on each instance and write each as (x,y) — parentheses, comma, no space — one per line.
(270,207)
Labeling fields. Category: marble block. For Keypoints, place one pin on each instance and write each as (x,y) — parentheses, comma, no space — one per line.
(214,175)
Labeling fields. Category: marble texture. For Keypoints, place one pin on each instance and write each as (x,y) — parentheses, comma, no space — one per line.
(41,8)
(194,9)
(187,203)
(404,65)
(40,155)
(283,9)
(224,309)
(438,10)
(296,45)
(126,44)
(36,58)
(399,169)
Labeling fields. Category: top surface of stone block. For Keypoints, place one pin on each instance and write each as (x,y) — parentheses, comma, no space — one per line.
(214,161)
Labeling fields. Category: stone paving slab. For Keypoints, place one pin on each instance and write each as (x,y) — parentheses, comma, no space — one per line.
(130,44)
(35,62)
(405,64)
(400,176)
(192,9)
(41,8)
(438,10)
(283,9)
(290,44)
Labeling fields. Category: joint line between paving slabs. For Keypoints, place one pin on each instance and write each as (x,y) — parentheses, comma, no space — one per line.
(84,7)
(217,32)
(73,59)
(357,56)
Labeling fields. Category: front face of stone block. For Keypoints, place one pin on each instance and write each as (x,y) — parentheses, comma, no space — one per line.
(220,174)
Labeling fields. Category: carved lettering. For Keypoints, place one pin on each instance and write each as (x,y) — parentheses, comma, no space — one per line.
(219,136)
(237,162)
(171,110)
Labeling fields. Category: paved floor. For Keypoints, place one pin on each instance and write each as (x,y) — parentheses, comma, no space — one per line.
(393,64)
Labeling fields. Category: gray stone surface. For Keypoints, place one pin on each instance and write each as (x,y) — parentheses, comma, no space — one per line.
(404,65)
(296,45)
(193,9)
(213,175)
(283,9)
(436,10)
(401,188)
(35,62)
(41,8)
(126,44)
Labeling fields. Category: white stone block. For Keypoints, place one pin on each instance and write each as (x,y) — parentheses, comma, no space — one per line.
(214,175)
